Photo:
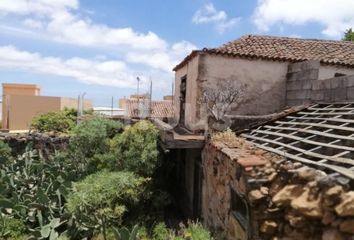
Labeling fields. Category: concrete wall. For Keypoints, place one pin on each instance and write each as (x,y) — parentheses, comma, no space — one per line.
(16,89)
(326,72)
(19,110)
(22,108)
(306,83)
(20,89)
(0,110)
(72,103)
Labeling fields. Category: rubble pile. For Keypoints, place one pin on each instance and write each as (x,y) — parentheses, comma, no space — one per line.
(286,199)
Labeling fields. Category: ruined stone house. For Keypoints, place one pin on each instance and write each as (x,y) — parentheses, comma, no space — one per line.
(264,64)
(234,189)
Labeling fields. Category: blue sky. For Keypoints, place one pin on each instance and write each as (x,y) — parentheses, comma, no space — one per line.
(99,47)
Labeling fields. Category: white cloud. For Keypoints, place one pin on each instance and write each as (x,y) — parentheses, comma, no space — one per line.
(62,24)
(62,21)
(209,14)
(40,7)
(335,16)
(109,73)
(164,61)
(32,23)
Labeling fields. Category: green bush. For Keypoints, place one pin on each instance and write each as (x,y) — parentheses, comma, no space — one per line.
(91,137)
(161,232)
(88,138)
(193,231)
(12,229)
(61,122)
(101,199)
(137,148)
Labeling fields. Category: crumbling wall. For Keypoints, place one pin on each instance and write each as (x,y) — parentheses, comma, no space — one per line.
(304,85)
(219,174)
(286,200)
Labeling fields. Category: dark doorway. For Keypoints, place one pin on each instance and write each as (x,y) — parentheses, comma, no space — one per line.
(197,192)
(182,108)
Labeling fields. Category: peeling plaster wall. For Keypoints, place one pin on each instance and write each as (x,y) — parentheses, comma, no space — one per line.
(264,80)
(190,70)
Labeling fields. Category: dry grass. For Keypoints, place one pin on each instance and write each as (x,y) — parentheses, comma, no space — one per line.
(229,138)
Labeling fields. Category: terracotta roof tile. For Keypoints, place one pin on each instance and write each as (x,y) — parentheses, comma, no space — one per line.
(160,109)
(285,49)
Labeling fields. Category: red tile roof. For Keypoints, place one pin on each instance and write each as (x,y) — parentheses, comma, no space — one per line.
(159,109)
(284,49)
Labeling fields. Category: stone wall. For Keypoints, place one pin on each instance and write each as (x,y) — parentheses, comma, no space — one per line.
(45,142)
(284,199)
(304,85)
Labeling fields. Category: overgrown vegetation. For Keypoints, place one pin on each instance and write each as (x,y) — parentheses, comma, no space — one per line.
(103,185)
(101,199)
(60,122)
(137,148)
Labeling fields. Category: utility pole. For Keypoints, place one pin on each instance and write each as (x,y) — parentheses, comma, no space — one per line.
(112,107)
(150,109)
(82,104)
(78,110)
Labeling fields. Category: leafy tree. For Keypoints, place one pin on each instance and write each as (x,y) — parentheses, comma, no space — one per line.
(137,148)
(349,35)
(100,200)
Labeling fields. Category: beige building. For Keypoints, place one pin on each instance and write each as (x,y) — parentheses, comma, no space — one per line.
(22,102)
(260,64)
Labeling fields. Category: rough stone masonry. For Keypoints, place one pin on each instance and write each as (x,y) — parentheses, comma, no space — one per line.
(284,199)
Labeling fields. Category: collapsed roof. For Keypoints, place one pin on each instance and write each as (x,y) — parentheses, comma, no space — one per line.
(321,135)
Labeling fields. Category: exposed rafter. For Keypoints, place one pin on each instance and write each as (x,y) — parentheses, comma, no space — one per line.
(321,135)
